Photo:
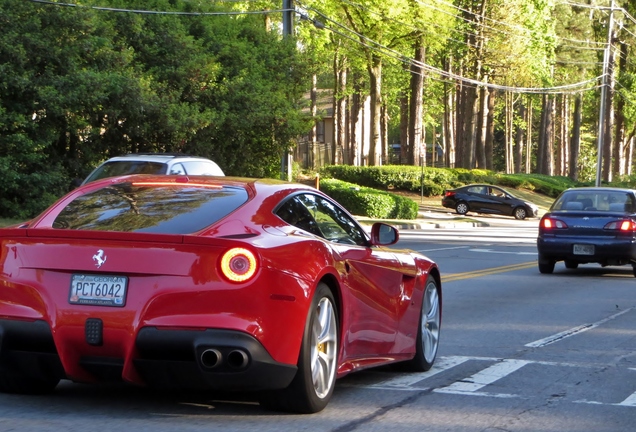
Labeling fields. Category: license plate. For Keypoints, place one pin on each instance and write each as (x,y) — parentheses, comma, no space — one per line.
(98,290)
(583,249)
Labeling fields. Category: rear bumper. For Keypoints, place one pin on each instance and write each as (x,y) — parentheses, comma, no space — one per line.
(213,358)
(606,251)
(207,359)
(448,203)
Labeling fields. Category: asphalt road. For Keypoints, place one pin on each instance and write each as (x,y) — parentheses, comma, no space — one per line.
(519,351)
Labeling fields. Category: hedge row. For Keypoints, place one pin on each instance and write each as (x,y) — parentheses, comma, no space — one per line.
(434,181)
(364,201)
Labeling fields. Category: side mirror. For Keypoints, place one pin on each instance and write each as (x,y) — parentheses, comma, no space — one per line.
(383,234)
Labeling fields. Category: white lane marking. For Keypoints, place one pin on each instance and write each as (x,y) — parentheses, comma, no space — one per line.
(472,393)
(503,252)
(485,377)
(630,401)
(441,249)
(439,366)
(573,331)
(601,403)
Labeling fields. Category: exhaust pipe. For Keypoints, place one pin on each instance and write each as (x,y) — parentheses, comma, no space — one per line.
(237,359)
(211,358)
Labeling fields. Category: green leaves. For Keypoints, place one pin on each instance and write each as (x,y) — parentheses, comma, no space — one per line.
(79,85)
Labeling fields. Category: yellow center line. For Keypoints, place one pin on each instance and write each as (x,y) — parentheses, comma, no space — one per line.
(494,270)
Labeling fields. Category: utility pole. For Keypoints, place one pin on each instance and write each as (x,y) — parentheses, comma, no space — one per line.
(288,25)
(604,95)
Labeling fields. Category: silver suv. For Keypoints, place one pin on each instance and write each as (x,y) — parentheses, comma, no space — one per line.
(154,163)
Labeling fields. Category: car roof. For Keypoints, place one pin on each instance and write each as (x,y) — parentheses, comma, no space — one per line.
(600,188)
(480,185)
(155,157)
(263,185)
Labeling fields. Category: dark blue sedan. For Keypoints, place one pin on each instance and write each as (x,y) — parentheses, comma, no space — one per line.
(589,225)
(487,199)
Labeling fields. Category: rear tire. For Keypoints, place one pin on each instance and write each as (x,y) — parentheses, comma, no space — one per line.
(461,208)
(546,266)
(313,385)
(428,331)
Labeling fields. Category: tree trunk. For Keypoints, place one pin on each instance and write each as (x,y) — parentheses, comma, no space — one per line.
(519,138)
(375,81)
(508,153)
(448,136)
(354,120)
(311,153)
(384,128)
(404,127)
(460,116)
(544,155)
(490,131)
(415,107)
(469,122)
(551,114)
(564,144)
(620,145)
(482,129)
(575,138)
(609,122)
(529,151)
(339,110)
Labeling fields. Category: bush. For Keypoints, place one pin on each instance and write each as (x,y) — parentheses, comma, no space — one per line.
(364,201)
(433,181)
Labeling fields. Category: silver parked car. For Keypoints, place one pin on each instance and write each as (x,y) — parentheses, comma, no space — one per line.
(154,163)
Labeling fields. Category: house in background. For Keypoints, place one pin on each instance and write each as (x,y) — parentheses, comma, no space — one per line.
(316,149)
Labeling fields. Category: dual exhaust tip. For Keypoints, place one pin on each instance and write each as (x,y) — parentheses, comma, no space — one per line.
(212,357)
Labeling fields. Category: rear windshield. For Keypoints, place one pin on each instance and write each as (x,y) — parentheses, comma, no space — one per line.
(595,200)
(172,209)
(120,168)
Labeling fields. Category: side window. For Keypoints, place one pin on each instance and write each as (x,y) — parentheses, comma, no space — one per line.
(478,190)
(177,169)
(202,168)
(295,213)
(333,222)
(496,192)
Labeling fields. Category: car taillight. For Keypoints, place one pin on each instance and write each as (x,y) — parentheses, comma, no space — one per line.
(626,225)
(551,223)
(238,265)
(449,193)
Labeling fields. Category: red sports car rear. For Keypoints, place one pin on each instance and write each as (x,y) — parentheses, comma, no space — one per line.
(214,283)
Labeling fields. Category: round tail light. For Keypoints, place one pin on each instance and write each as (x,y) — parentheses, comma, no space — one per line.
(238,264)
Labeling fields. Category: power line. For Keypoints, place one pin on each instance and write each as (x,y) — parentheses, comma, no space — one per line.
(151,12)
(503,23)
(371,44)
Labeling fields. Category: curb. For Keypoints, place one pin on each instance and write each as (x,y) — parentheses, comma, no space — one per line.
(422,224)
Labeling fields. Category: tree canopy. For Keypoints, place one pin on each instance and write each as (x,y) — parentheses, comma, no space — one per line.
(79,85)
(509,85)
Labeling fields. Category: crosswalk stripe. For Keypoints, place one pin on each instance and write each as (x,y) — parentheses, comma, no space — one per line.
(485,377)
(440,365)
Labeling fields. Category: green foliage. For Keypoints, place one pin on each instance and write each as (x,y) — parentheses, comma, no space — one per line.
(433,181)
(79,85)
(363,201)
